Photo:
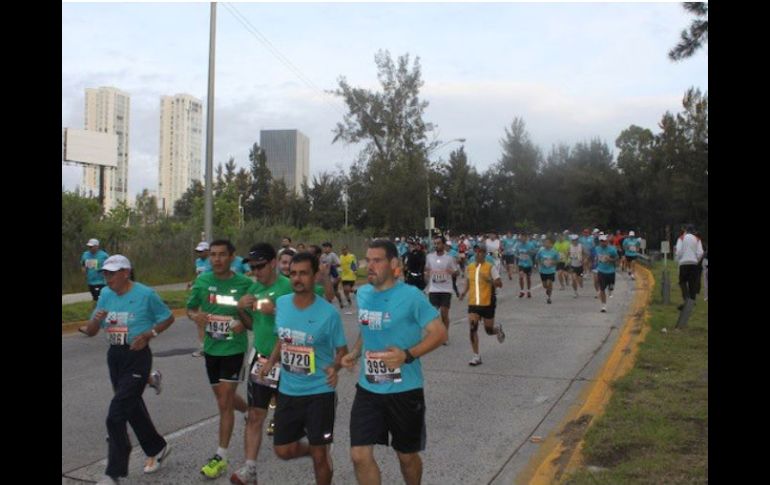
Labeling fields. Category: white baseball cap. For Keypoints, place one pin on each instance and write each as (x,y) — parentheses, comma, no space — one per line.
(116,262)
(603,237)
(202,246)
(631,233)
(595,230)
(92,242)
(573,237)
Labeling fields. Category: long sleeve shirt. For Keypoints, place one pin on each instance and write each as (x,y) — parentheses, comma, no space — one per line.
(689,250)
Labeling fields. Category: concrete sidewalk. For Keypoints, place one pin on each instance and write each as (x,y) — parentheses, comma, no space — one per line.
(86,296)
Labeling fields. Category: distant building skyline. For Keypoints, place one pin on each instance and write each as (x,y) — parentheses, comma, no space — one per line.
(288,156)
(179,158)
(107,110)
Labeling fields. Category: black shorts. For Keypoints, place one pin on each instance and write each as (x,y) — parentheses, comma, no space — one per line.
(311,416)
(509,258)
(525,269)
(224,368)
(631,258)
(258,395)
(348,284)
(578,270)
(605,280)
(440,299)
(95,291)
(402,415)
(547,277)
(486,312)
(561,266)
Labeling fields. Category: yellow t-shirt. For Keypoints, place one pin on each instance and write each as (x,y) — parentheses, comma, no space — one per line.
(346,263)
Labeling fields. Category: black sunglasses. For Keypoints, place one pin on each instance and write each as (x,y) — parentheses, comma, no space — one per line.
(257,266)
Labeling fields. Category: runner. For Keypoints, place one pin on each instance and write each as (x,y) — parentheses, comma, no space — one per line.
(284,261)
(286,244)
(259,304)
(509,253)
(587,242)
(562,247)
(440,268)
(311,343)
(91,262)
(202,265)
(547,258)
(330,259)
(213,304)
(389,404)
(524,252)
(348,267)
(631,248)
(576,256)
(606,256)
(414,266)
(482,279)
(132,315)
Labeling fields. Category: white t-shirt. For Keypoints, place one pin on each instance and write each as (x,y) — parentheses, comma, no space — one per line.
(441,269)
(493,247)
(575,255)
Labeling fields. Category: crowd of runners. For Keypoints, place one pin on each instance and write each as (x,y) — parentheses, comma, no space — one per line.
(287,298)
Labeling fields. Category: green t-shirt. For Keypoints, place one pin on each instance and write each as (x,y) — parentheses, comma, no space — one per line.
(318,289)
(263,325)
(219,298)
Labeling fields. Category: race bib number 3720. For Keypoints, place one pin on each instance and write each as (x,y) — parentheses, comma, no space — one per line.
(298,359)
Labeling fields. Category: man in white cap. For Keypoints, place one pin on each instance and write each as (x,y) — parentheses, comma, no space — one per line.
(91,262)
(132,314)
(631,250)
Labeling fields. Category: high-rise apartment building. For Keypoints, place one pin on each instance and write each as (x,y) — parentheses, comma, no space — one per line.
(179,163)
(107,111)
(288,156)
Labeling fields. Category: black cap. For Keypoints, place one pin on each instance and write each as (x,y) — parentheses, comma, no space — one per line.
(260,253)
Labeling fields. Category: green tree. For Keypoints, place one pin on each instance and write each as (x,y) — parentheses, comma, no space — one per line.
(458,187)
(261,181)
(394,161)
(693,39)
(184,207)
(146,212)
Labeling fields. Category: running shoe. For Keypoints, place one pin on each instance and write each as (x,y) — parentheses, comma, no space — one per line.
(604,309)
(155,381)
(548,300)
(215,467)
(153,463)
(521,295)
(475,361)
(198,353)
(529,295)
(500,334)
(245,475)
(271,428)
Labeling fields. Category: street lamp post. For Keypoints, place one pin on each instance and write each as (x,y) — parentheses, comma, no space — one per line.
(428,221)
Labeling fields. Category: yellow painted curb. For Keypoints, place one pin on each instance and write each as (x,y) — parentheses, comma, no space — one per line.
(72,327)
(559,454)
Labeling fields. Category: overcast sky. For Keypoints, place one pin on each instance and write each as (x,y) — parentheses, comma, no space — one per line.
(572,71)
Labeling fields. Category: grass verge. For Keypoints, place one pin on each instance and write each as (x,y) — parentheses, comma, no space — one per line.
(655,427)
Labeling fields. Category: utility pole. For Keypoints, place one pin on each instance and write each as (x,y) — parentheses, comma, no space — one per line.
(209,203)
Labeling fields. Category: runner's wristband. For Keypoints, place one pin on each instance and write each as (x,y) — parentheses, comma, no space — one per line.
(409,357)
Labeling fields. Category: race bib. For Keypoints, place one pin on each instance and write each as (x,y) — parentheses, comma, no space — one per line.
(604,258)
(438,277)
(219,327)
(632,249)
(377,372)
(271,378)
(547,262)
(92,263)
(298,359)
(524,257)
(117,335)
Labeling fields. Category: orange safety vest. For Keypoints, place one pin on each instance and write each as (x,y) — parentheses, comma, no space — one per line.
(479,284)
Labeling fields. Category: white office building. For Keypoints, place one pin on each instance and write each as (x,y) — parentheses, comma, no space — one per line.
(179,162)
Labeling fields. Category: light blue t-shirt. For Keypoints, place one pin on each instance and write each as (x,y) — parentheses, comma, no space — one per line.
(93,263)
(139,309)
(602,256)
(631,246)
(309,339)
(395,317)
(587,242)
(237,266)
(402,247)
(202,265)
(509,246)
(524,252)
(547,259)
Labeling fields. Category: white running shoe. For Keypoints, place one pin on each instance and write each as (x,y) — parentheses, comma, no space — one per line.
(500,334)
(475,361)
(155,381)
(153,463)
(604,309)
(244,476)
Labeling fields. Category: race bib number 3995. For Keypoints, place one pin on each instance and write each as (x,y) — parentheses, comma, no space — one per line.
(377,372)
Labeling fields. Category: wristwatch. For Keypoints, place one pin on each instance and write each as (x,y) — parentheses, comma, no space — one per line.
(409,357)
(154,332)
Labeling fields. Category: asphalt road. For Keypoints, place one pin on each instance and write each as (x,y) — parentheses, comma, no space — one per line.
(479,419)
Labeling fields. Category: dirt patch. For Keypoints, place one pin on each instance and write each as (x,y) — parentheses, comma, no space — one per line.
(572,434)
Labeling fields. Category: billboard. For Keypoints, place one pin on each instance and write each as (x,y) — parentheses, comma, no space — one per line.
(90,147)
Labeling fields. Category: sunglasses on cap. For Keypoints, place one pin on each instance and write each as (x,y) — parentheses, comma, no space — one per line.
(256,267)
